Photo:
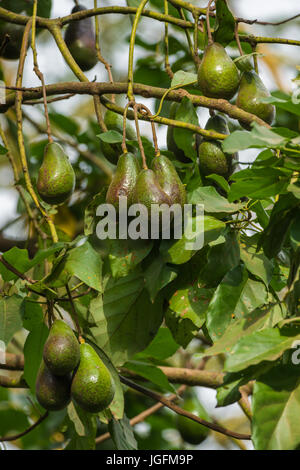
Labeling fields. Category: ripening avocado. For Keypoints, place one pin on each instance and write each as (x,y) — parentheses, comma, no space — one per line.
(171,144)
(218,76)
(11,36)
(92,385)
(52,392)
(80,39)
(124,180)
(191,431)
(251,91)
(56,178)
(61,351)
(168,179)
(148,190)
(114,122)
(212,159)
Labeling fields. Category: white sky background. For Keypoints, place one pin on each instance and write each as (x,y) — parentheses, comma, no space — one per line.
(54,68)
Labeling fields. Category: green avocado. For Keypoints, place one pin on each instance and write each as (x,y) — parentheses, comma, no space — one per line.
(52,391)
(191,431)
(169,180)
(218,76)
(56,178)
(92,385)
(250,95)
(61,351)
(124,180)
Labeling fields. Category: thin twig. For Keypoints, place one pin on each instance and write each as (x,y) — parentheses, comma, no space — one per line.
(27,431)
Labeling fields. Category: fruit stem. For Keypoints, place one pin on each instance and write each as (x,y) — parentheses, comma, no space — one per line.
(166,42)
(75,316)
(37,71)
(147,112)
(131,49)
(98,50)
(237,38)
(209,35)
(135,110)
(124,147)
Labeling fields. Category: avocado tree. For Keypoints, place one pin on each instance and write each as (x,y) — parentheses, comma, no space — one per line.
(98,335)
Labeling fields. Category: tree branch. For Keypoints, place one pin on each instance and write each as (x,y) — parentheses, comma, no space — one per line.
(101,88)
(180,411)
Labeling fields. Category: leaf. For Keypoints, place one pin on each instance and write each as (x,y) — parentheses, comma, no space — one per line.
(235,297)
(257,263)
(259,137)
(200,231)
(213,202)
(90,212)
(184,137)
(266,345)
(84,263)
(125,255)
(33,353)
(183,329)
(183,78)
(111,137)
(19,259)
(158,275)
(276,408)
(11,309)
(122,434)
(82,428)
(126,320)
(161,347)
(151,373)
(3,150)
(225,23)
(191,303)
(65,123)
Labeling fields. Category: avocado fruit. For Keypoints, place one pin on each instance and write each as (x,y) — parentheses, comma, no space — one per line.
(218,76)
(80,39)
(124,180)
(92,386)
(192,432)
(56,178)
(212,159)
(12,35)
(250,95)
(61,352)
(169,180)
(52,392)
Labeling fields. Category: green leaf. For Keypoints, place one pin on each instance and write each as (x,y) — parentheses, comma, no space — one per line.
(33,352)
(3,150)
(235,297)
(151,373)
(111,137)
(82,427)
(183,137)
(125,255)
(257,263)
(161,347)
(183,78)
(65,123)
(179,251)
(225,23)
(213,202)
(276,408)
(258,183)
(126,319)
(191,303)
(266,345)
(122,434)
(259,137)
(11,309)
(158,275)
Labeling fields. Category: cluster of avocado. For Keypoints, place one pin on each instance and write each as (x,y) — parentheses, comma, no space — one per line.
(219,77)
(70,370)
(159,184)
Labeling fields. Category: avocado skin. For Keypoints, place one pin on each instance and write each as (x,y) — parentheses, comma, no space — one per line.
(92,386)
(13,47)
(80,39)
(168,179)
(148,190)
(251,91)
(212,159)
(190,431)
(61,351)
(218,76)
(52,392)
(56,178)
(124,180)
